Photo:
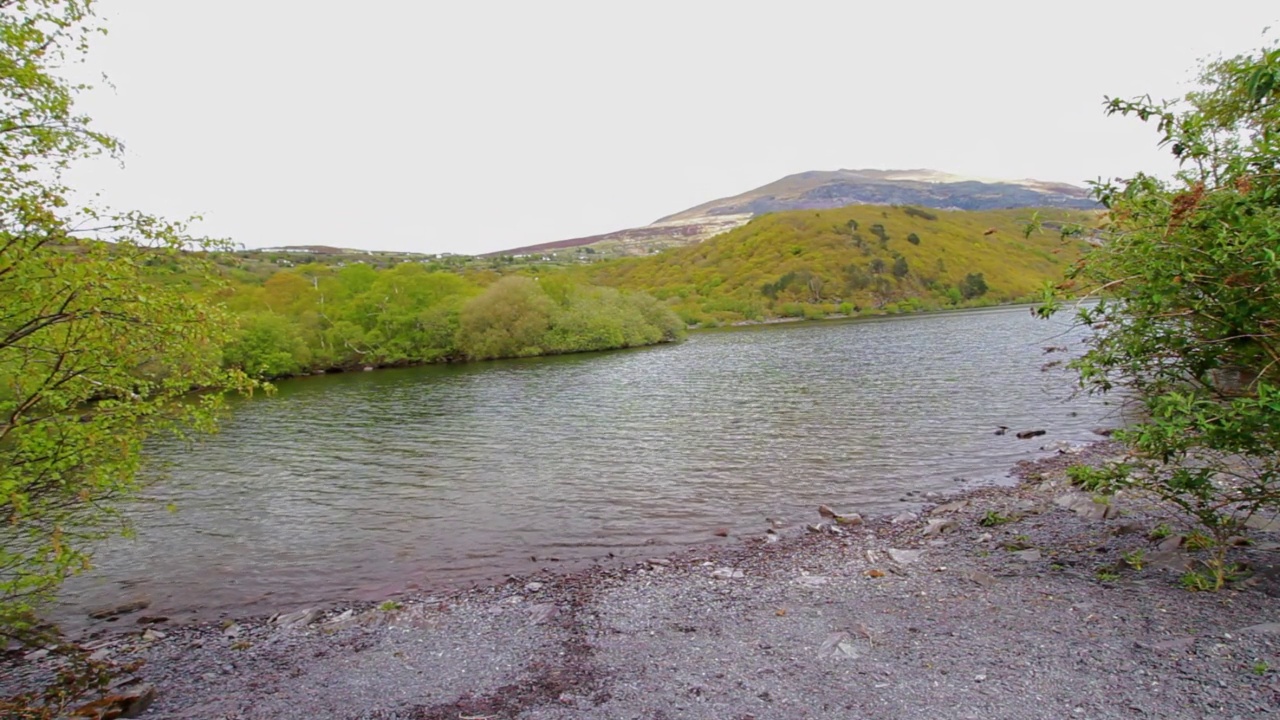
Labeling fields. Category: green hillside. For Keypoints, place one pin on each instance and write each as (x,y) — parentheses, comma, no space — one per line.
(857,259)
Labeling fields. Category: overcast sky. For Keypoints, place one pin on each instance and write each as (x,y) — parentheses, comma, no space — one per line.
(473,126)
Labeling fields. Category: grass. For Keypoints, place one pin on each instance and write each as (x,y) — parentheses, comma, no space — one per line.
(993,518)
(1134,558)
(1198,541)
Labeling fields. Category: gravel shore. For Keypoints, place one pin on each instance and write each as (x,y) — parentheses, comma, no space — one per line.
(999,603)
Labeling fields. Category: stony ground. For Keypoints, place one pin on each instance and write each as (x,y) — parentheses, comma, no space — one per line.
(1003,603)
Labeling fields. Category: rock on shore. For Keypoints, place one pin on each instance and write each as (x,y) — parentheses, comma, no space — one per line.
(1022,607)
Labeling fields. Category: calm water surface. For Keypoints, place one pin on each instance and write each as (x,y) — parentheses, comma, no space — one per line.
(357,486)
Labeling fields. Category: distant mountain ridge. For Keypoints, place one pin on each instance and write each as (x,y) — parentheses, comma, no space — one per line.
(826,189)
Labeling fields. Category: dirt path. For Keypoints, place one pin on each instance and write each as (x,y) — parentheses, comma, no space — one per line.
(1037,617)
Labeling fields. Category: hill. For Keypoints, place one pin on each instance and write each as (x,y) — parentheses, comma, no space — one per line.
(820,190)
(857,259)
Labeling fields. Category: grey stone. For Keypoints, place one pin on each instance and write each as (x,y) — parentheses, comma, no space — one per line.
(1085,506)
(813,580)
(905,557)
(540,613)
(1171,543)
(939,526)
(1129,528)
(110,611)
(839,645)
(343,618)
(950,507)
(850,519)
(301,618)
(1181,643)
(1031,555)
(1271,628)
(1170,560)
(1265,523)
(978,577)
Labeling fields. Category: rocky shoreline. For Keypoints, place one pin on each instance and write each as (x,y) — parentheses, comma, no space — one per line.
(1031,601)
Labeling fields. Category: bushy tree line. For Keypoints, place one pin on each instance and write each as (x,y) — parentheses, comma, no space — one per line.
(317,317)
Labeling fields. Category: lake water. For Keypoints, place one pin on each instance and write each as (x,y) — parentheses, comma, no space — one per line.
(357,486)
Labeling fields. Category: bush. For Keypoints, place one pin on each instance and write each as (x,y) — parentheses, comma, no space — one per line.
(920,213)
(1189,318)
(900,268)
(972,286)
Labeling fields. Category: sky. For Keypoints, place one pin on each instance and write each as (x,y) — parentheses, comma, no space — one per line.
(475,126)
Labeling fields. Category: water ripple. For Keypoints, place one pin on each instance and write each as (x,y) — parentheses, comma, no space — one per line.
(354,485)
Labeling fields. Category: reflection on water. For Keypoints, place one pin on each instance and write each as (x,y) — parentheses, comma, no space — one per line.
(358,485)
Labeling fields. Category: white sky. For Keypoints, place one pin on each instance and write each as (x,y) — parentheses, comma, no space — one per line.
(473,126)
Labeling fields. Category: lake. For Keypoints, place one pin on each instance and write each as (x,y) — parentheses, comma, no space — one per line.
(361,485)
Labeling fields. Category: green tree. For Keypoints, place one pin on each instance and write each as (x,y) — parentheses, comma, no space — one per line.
(97,350)
(973,285)
(509,319)
(900,268)
(1188,321)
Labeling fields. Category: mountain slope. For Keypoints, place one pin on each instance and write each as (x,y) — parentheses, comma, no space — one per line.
(855,259)
(829,189)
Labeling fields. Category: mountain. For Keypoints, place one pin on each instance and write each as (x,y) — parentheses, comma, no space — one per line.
(823,189)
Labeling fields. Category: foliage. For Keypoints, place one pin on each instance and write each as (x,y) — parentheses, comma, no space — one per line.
(1188,321)
(98,349)
(321,317)
(919,213)
(751,273)
(973,285)
(993,518)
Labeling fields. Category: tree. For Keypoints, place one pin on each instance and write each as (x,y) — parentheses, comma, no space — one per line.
(96,351)
(509,319)
(973,285)
(900,268)
(1188,317)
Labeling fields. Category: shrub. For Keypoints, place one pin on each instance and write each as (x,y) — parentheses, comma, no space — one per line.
(919,212)
(972,286)
(1188,323)
(900,268)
